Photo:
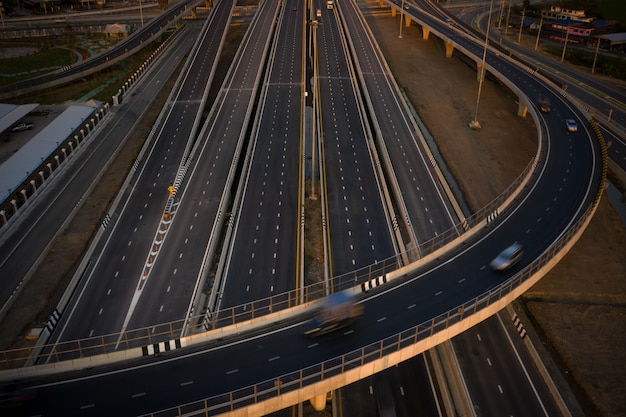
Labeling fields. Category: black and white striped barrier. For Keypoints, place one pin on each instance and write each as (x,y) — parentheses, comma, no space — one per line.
(493,216)
(53,320)
(106,221)
(520,327)
(156,348)
(373,283)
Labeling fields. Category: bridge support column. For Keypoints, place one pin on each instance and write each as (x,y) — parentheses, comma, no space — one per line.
(394,12)
(318,402)
(381,3)
(522,109)
(449,50)
(194,15)
(425,33)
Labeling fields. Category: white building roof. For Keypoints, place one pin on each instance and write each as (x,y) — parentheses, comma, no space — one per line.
(23,162)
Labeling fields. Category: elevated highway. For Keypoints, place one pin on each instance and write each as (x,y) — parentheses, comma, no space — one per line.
(429,305)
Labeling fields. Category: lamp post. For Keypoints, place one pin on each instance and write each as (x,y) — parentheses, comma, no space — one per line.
(314,24)
(474,124)
(401,18)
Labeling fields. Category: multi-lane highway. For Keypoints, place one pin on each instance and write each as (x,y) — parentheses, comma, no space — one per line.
(263,256)
(114,279)
(358,231)
(440,286)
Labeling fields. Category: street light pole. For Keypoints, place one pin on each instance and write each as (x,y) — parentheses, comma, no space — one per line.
(474,124)
(314,24)
(401,18)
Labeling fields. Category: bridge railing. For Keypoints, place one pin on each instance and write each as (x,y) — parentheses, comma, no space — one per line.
(232,315)
(296,380)
(211,320)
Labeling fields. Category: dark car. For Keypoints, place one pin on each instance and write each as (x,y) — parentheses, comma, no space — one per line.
(507,258)
(22,126)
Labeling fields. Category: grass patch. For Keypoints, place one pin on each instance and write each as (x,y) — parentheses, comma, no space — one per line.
(607,65)
(119,72)
(40,62)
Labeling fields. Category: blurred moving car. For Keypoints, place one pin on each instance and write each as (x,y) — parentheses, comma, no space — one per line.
(507,258)
(571,125)
(336,311)
(22,126)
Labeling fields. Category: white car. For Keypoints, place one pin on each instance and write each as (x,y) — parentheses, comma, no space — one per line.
(507,258)
(22,126)
(571,125)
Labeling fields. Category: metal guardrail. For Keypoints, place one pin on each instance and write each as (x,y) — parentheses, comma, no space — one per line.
(237,314)
(290,382)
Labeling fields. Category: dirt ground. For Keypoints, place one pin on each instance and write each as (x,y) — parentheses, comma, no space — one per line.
(579,308)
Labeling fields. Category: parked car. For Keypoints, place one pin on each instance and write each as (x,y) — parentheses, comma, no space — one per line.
(571,125)
(22,126)
(507,258)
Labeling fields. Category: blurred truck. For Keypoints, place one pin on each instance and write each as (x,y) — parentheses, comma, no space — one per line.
(337,310)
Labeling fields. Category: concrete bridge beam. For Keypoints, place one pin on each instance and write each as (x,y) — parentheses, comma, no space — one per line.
(522,109)
(449,49)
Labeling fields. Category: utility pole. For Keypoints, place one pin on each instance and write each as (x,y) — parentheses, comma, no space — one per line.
(508,13)
(538,33)
(595,57)
(521,25)
(565,44)
(141,13)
